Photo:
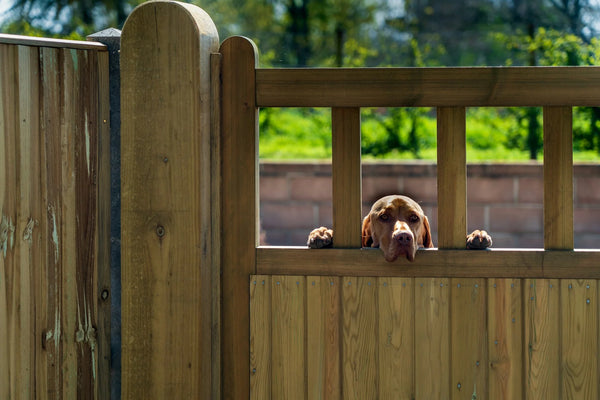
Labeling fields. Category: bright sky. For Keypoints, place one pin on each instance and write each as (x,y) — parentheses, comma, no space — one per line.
(4,6)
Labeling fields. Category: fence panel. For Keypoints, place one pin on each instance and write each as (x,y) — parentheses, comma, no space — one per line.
(53,115)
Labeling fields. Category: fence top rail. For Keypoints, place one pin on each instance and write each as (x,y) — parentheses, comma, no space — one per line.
(428,87)
(46,42)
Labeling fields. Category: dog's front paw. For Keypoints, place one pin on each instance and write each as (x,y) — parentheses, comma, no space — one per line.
(320,237)
(479,240)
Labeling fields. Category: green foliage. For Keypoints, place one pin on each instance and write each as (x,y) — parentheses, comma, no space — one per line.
(290,133)
(493,134)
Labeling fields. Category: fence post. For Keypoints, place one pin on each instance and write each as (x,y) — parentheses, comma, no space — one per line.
(109,198)
(167,165)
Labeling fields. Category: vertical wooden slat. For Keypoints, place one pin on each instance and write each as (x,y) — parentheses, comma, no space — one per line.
(396,338)
(579,339)
(103,297)
(167,257)
(27,244)
(505,338)
(346,173)
(558,178)
(432,338)
(67,238)
(51,317)
(10,285)
(260,337)
(360,355)
(239,150)
(323,337)
(542,336)
(452,177)
(288,337)
(215,172)
(468,322)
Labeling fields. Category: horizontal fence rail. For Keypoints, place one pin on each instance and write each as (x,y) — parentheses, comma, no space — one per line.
(428,87)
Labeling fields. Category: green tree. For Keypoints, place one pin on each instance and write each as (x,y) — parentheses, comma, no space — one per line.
(65,18)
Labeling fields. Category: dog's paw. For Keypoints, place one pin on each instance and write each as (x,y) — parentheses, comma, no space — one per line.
(479,240)
(320,237)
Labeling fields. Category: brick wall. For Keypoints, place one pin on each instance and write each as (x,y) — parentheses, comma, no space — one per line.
(504,199)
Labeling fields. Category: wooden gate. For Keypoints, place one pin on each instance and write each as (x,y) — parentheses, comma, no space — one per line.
(343,323)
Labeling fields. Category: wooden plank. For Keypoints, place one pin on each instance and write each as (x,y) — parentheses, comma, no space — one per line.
(29,205)
(215,173)
(239,175)
(505,338)
(542,339)
(260,337)
(166,211)
(103,298)
(346,174)
(432,338)
(50,308)
(396,338)
(579,338)
(468,326)
(66,220)
(452,178)
(497,263)
(359,355)
(50,43)
(429,87)
(11,368)
(288,337)
(558,178)
(323,344)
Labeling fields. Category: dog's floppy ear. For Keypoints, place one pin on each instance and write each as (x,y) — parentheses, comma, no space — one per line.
(427,242)
(367,240)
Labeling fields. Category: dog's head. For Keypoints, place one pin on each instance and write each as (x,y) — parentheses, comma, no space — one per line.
(398,226)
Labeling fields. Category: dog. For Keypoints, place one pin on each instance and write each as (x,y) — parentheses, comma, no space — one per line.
(398,226)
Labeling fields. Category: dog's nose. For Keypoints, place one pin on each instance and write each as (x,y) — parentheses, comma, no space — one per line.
(404,238)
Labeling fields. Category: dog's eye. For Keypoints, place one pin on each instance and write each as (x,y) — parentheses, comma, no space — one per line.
(414,218)
(384,217)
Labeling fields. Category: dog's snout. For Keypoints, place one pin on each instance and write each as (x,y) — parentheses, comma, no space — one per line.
(403,237)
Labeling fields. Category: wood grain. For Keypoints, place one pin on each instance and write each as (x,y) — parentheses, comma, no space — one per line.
(11,287)
(498,263)
(579,339)
(558,178)
(428,87)
(347,175)
(542,339)
(505,338)
(261,328)
(432,338)
(167,258)
(288,337)
(360,351)
(104,289)
(396,338)
(239,212)
(452,178)
(468,324)
(323,343)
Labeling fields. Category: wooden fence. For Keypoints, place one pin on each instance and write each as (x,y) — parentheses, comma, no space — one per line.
(207,313)
(54,306)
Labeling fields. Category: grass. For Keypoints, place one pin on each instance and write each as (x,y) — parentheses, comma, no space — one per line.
(493,135)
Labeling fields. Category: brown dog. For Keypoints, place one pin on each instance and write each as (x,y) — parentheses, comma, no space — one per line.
(397,225)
